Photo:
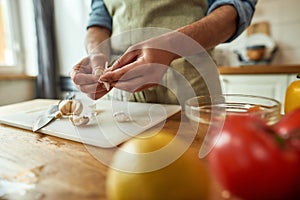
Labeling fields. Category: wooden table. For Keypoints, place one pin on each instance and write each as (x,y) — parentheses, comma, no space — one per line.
(55,168)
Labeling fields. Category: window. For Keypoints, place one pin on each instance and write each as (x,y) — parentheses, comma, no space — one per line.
(2,36)
(17,36)
(10,38)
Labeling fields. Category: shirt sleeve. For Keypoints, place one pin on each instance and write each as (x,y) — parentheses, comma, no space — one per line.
(99,15)
(245,10)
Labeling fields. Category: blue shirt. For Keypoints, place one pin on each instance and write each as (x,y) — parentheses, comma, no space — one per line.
(99,15)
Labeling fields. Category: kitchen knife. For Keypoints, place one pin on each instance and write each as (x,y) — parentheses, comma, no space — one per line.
(45,118)
(49,116)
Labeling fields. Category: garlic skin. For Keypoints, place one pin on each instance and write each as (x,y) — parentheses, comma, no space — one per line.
(70,107)
(79,120)
(98,72)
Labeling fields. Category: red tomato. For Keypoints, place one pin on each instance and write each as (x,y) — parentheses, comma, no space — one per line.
(248,162)
(289,125)
(289,128)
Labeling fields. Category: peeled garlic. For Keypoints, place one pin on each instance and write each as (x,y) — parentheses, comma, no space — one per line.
(121,117)
(98,71)
(58,115)
(70,107)
(79,120)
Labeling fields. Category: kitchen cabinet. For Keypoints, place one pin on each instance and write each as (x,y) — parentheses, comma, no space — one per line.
(292,77)
(263,80)
(267,85)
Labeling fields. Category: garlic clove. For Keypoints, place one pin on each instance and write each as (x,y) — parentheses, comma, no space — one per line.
(70,107)
(79,120)
(121,117)
(58,115)
(98,71)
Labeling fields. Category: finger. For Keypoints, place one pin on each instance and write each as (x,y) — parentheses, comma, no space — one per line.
(84,79)
(151,71)
(125,59)
(98,60)
(135,85)
(78,71)
(83,66)
(117,74)
(112,76)
(92,88)
(96,95)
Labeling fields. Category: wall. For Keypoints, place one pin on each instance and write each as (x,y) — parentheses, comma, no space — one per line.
(284,20)
(28,37)
(16,90)
(2,43)
(71,20)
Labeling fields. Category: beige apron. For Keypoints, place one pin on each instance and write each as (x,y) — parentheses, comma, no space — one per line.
(171,14)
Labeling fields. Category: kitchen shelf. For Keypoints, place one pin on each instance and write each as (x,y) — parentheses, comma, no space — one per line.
(260,69)
(16,77)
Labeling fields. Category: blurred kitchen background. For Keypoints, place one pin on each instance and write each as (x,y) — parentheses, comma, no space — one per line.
(275,28)
(283,20)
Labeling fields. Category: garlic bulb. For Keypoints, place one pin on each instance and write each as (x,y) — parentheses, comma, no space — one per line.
(79,120)
(70,107)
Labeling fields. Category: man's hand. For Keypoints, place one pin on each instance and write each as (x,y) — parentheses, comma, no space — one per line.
(139,68)
(86,74)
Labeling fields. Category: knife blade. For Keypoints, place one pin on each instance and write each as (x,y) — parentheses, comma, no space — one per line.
(49,116)
(44,119)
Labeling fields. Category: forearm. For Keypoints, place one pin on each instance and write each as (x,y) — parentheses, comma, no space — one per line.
(96,40)
(213,29)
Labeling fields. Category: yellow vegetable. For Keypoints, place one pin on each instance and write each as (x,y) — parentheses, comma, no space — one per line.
(185,178)
(292,97)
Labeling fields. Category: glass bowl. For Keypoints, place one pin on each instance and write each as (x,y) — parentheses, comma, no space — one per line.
(202,109)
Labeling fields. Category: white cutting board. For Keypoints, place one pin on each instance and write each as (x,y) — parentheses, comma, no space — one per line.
(104,131)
